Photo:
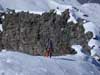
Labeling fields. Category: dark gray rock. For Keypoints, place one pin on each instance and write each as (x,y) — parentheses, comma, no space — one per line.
(29,33)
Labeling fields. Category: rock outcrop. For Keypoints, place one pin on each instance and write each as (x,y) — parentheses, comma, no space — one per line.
(29,33)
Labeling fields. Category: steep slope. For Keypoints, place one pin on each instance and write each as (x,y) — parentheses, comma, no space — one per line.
(37,5)
(91,9)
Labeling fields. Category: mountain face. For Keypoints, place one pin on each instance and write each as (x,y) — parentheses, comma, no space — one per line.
(88,1)
(28,33)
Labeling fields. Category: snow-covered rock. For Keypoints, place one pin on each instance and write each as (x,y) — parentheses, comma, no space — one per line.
(78,49)
(89,26)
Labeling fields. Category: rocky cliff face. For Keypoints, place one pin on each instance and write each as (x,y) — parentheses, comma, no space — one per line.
(29,33)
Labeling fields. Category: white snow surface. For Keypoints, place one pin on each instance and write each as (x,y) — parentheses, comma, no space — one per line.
(37,5)
(1,29)
(14,63)
(93,12)
(89,26)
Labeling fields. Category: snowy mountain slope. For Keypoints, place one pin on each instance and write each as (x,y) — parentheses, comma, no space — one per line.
(13,63)
(92,10)
(73,3)
(89,26)
(25,4)
(36,5)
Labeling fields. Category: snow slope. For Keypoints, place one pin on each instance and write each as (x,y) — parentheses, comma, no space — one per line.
(93,12)
(14,63)
(36,5)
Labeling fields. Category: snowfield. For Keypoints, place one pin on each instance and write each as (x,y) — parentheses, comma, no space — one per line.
(14,63)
